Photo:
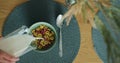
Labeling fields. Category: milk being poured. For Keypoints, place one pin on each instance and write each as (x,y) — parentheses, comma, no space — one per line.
(16,44)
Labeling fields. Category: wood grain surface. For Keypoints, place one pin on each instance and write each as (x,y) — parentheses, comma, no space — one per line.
(86,52)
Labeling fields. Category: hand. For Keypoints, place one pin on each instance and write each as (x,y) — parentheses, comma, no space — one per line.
(6,58)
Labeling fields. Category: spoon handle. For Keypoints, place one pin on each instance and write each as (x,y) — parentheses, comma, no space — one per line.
(60,44)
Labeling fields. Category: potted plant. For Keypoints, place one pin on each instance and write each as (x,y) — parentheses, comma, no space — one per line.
(109,28)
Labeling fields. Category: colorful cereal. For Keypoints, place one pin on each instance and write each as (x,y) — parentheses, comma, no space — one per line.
(46,33)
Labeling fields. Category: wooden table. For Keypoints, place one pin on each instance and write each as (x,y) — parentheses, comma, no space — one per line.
(86,52)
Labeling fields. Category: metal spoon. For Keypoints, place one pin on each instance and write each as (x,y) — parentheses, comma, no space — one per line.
(59,24)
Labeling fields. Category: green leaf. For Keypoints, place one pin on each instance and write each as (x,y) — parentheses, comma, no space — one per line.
(113,49)
(89,6)
(84,14)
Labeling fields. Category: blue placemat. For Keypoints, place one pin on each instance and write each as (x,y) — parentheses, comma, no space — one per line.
(99,43)
(45,10)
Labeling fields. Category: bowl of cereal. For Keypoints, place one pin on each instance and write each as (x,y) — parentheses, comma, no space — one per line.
(47,32)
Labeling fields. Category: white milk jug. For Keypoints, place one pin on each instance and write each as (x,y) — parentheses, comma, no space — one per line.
(18,42)
(16,45)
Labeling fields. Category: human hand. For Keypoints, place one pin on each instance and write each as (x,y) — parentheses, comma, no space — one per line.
(6,58)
